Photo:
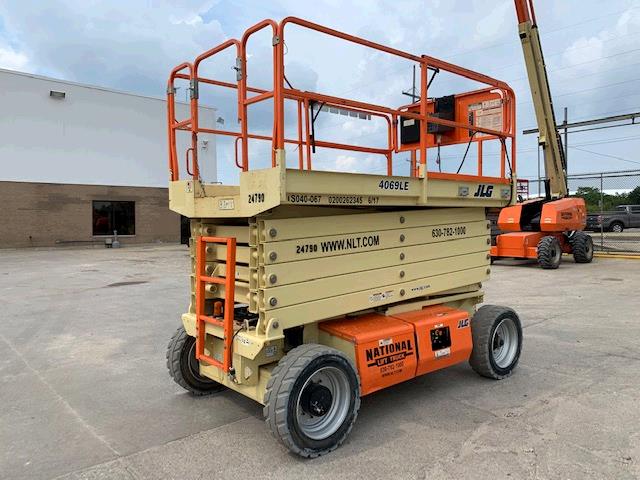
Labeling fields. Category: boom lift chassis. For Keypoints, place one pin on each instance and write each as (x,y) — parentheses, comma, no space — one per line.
(310,289)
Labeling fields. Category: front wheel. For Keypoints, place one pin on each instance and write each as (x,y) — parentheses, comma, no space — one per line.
(312,400)
(549,253)
(497,341)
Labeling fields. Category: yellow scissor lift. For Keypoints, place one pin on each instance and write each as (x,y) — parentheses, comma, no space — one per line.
(312,288)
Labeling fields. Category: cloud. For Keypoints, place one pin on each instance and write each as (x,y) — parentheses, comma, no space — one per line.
(133,45)
(12,60)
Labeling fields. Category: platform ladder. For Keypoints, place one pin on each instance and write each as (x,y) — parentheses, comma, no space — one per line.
(202,279)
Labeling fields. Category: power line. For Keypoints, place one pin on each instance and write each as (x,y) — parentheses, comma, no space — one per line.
(600,113)
(586,90)
(575,64)
(546,32)
(605,155)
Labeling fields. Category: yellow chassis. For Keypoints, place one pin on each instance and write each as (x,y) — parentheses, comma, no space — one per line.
(313,246)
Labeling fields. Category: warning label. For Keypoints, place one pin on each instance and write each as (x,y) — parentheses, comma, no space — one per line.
(487,114)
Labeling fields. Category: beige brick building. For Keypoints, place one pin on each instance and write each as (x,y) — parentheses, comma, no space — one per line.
(79,161)
(50,214)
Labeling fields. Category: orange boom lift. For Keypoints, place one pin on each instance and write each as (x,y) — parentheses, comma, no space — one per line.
(543,228)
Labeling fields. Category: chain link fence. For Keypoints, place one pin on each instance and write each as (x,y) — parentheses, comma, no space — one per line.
(613,206)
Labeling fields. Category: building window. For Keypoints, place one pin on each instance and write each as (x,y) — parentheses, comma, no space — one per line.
(109,216)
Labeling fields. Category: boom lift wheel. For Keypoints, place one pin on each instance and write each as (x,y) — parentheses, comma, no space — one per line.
(582,247)
(185,369)
(549,253)
(312,400)
(497,341)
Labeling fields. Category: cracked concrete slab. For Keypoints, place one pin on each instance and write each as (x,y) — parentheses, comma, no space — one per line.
(86,395)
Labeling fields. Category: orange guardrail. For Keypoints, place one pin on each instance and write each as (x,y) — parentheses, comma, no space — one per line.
(306,102)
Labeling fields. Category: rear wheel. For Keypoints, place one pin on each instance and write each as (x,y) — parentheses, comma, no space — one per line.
(312,400)
(185,369)
(549,252)
(582,246)
(497,341)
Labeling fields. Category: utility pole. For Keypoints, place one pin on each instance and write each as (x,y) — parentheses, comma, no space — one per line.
(413,93)
(587,125)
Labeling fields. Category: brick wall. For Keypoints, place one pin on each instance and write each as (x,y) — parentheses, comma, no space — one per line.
(49,214)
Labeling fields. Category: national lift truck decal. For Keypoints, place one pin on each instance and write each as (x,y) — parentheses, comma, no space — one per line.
(388,352)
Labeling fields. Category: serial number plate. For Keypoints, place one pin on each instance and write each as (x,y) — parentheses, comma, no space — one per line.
(333,199)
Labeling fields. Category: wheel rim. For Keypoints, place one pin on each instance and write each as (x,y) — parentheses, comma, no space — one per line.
(555,254)
(323,403)
(589,248)
(194,365)
(504,343)
(617,228)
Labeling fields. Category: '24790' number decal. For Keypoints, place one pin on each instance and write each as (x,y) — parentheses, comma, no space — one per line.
(256,197)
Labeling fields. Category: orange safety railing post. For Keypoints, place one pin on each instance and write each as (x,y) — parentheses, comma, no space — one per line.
(423,116)
(300,153)
(307,128)
(174,171)
(480,158)
(242,87)
(278,87)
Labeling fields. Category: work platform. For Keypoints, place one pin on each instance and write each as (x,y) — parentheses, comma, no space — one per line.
(263,190)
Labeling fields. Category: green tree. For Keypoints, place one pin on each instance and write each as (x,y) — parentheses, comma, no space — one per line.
(634,196)
(592,197)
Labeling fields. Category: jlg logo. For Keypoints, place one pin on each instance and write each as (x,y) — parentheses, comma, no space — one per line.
(463,323)
(484,191)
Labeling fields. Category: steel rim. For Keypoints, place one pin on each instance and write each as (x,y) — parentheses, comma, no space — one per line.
(589,249)
(504,343)
(321,427)
(194,365)
(555,254)
(616,228)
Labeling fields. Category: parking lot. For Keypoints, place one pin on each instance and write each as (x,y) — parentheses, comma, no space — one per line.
(85,393)
(623,242)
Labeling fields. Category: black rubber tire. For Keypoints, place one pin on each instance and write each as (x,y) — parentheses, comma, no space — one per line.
(582,247)
(286,382)
(483,325)
(620,225)
(549,253)
(183,366)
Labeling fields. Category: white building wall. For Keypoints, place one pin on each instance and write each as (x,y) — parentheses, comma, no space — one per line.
(92,136)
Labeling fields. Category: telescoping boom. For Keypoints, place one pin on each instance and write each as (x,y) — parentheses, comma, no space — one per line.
(554,159)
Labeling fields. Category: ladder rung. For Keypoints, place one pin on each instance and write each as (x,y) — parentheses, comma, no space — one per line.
(210,361)
(219,280)
(211,320)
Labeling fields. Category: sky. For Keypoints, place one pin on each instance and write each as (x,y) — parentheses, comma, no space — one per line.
(592,51)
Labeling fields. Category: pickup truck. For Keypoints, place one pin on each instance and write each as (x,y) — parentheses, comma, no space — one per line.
(624,216)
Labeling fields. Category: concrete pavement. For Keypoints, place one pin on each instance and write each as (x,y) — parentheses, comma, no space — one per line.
(85,393)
